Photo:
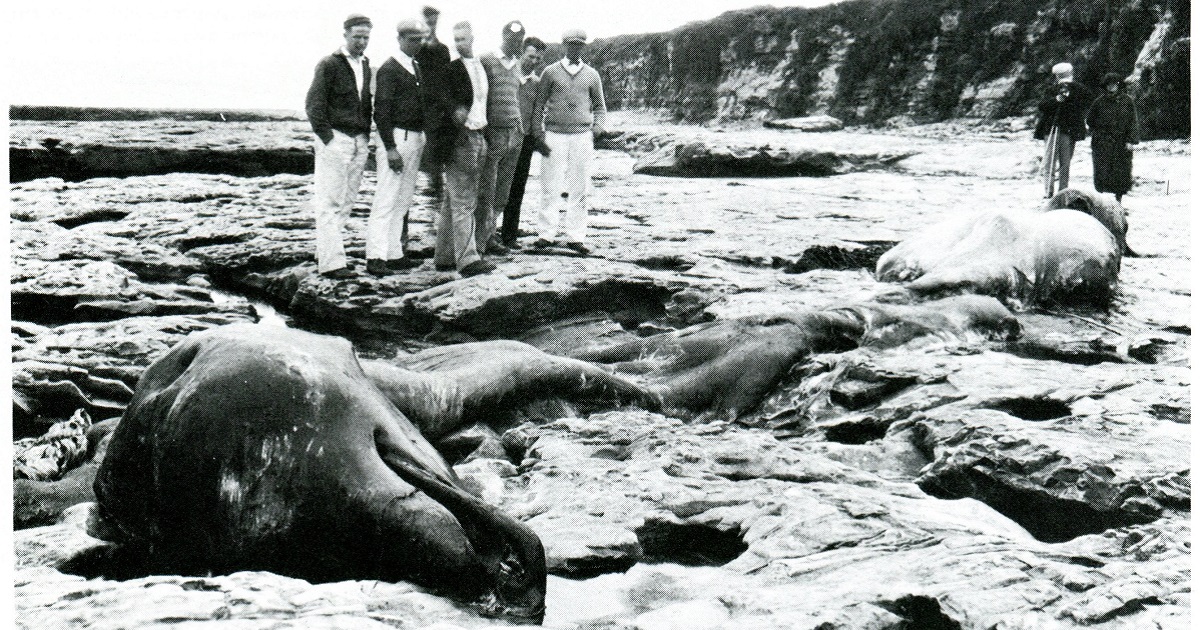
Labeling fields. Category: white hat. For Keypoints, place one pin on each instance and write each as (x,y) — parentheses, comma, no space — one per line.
(1063,71)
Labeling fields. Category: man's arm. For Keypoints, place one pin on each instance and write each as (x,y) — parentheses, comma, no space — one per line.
(385,91)
(316,103)
(539,105)
(599,109)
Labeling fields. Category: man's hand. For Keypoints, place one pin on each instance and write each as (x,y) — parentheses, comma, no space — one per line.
(539,142)
(395,162)
(460,115)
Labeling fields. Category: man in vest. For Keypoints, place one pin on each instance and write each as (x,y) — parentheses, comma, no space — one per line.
(531,67)
(339,109)
(400,121)
(504,134)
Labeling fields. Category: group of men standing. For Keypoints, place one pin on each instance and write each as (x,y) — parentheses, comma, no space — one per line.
(476,121)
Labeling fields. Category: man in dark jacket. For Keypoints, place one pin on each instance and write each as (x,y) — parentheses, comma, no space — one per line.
(339,109)
(434,59)
(459,145)
(1061,125)
(1114,125)
(400,121)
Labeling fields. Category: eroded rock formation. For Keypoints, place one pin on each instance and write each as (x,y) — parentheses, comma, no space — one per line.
(873,62)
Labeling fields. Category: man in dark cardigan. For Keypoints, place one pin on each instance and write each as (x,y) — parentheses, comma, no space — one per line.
(400,121)
(1061,125)
(339,109)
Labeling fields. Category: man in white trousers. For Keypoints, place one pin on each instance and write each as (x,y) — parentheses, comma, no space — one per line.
(339,109)
(568,114)
(400,121)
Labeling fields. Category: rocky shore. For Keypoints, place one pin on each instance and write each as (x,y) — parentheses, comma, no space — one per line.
(949,482)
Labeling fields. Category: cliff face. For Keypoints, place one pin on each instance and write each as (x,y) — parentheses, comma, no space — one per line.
(867,61)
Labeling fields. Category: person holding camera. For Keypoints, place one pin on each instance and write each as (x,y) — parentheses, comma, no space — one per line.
(1061,125)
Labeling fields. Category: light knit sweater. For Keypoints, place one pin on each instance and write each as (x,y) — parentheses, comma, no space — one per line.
(569,103)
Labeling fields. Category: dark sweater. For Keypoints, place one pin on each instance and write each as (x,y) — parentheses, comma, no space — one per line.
(434,60)
(398,101)
(1067,115)
(455,91)
(333,100)
(1113,116)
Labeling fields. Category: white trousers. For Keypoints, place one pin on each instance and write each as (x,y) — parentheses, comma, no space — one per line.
(393,196)
(566,170)
(337,173)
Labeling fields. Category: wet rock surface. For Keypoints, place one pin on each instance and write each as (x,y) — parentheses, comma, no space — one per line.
(79,150)
(950,481)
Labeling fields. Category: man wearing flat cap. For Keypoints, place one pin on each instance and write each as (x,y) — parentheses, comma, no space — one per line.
(339,109)
(1061,125)
(400,122)
(568,114)
(504,135)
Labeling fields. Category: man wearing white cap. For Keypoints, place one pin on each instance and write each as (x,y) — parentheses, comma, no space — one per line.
(568,113)
(1061,125)
(400,121)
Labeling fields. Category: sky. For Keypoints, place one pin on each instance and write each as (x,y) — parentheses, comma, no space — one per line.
(243,54)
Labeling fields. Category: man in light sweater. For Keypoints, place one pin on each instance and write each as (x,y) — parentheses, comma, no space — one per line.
(503,133)
(339,109)
(400,122)
(568,114)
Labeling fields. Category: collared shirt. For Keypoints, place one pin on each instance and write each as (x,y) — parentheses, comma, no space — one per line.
(529,77)
(507,62)
(355,65)
(477,117)
(573,68)
(405,62)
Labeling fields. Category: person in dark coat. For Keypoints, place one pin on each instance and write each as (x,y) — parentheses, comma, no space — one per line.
(1113,123)
(1061,125)
(434,59)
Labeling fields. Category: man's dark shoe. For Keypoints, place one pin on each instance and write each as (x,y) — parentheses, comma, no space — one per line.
(495,248)
(444,267)
(339,274)
(477,268)
(543,243)
(513,244)
(576,246)
(403,264)
(378,267)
